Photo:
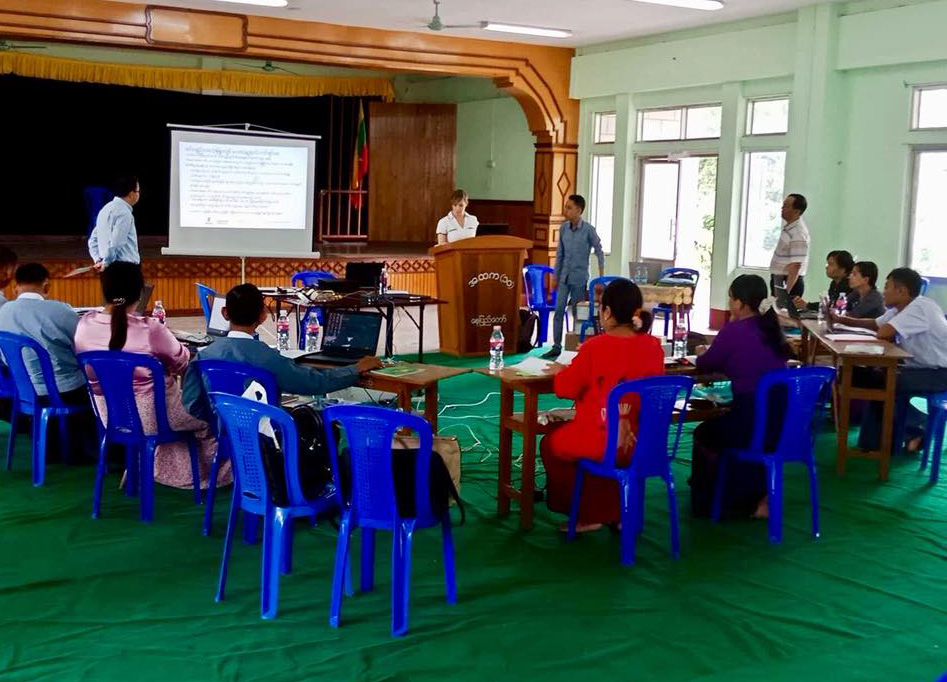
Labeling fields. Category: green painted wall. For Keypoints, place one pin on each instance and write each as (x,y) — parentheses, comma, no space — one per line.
(849,70)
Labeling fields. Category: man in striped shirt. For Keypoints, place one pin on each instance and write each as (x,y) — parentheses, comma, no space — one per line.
(791,257)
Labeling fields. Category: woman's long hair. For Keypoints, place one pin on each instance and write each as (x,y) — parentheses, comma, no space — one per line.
(751,291)
(623,298)
(121,285)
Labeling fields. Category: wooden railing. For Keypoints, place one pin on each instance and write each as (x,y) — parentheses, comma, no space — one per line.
(342,216)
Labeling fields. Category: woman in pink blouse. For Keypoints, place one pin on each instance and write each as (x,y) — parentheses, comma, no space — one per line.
(119,328)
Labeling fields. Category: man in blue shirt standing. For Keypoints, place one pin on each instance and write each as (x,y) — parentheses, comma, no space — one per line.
(577,238)
(114,237)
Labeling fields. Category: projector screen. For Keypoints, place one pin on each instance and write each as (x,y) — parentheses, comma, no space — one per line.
(241,193)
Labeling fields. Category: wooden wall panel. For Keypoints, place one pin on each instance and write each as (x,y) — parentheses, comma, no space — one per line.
(517,214)
(411,169)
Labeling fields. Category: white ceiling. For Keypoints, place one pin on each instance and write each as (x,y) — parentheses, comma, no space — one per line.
(591,21)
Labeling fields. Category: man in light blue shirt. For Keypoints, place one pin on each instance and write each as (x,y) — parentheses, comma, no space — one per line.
(7,268)
(577,239)
(114,237)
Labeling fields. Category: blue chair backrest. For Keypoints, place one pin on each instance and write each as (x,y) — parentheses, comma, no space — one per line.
(535,278)
(16,348)
(925,283)
(232,378)
(205,295)
(241,419)
(658,396)
(94,199)
(806,391)
(114,371)
(601,282)
(7,385)
(309,279)
(369,432)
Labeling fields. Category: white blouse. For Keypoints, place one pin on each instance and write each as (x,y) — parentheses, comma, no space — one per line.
(455,232)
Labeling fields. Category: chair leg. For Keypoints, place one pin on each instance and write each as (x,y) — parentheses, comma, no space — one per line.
(286,551)
(628,533)
(639,506)
(401,577)
(667,323)
(275,527)
(576,500)
(63,438)
(450,576)
(40,436)
(775,502)
(146,481)
(672,517)
(341,563)
(211,493)
(132,469)
(543,328)
(938,438)
(722,461)
(251,527)
(195,469)
(814,496)
(11,441)
(228,543)
(368,560)
(100,471)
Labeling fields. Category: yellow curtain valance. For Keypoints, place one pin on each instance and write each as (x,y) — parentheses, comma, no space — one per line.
(195,80)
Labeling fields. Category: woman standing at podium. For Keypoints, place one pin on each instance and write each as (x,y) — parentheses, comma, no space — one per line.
(458,224)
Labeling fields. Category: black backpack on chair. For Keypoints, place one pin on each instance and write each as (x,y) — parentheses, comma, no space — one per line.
(528,322)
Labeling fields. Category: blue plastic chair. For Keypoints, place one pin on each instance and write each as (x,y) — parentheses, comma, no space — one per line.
(115,371)
(240,419)
(232,378)
(538,297)
(666,311)
(94,199)
(27,402)
(925,283)
(309,279)
(934,433)
(808,390)
(205,295)
(651,457)
(371,503)
(593,315)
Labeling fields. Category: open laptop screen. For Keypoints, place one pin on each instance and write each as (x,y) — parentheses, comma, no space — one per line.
(351,331)
(218,325)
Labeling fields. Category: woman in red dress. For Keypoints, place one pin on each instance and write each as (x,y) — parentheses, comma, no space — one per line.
(626,351)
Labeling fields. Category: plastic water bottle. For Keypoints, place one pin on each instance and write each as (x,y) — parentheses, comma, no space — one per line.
(496,349)
(282,331)
(680,339)
(383,281)
(313,334)
(159,313)
(841,304)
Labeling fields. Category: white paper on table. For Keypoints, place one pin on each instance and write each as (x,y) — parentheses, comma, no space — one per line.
(854,330)
(566,357)
(293,353)
(864,348)
(532,365)
(848,337)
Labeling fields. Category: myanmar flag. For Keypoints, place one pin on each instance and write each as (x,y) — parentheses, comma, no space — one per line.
(360,158)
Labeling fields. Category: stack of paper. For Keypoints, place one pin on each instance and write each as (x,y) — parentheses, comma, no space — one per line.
(536,366)
(849,337)
(853,330)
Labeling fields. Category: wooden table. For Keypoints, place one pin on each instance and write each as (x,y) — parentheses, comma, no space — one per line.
(405,386)
(527,425)
(815,335)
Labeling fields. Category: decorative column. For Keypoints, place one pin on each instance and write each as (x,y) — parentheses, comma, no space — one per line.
(554,180)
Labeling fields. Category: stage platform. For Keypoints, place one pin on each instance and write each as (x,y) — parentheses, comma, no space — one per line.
(410,268)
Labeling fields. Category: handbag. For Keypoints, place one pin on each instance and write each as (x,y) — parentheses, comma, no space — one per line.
(444,475)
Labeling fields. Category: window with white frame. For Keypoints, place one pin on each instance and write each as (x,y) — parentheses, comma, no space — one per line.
(602,197)
(767,116)
(699,122)
(930,107)
(928,230)
(764,175)
(604,127)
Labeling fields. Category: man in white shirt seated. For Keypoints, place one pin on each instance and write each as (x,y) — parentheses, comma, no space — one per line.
(917,324)
(458,224)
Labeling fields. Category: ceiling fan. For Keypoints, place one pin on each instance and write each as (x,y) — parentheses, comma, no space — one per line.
(7,46)
(435,24)
(269,67)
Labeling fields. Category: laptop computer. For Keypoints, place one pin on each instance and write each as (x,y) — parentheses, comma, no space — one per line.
(365,275)
(492,229)
(218,324)
(785,302)
(348,336)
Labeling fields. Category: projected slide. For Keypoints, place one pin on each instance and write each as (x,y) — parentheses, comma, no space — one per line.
(243,186)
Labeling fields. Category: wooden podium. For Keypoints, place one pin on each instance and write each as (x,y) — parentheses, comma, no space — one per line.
(482,281)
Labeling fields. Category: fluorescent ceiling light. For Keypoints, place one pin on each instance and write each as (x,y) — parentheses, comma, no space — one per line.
(689,4)
(262,3)
(525,30)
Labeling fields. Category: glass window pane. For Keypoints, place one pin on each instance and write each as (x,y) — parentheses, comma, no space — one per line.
(603,188)
(768,117)
(658,210)
(929,234)
(764,174)
(703,122)
(604,128)
(663,124)
(932,108)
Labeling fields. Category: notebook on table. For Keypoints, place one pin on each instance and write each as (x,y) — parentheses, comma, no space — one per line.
(348,336)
